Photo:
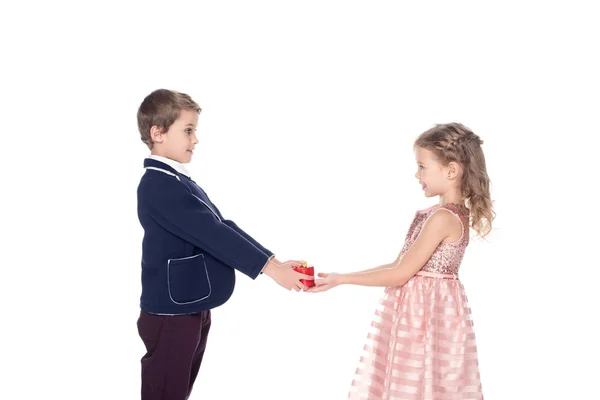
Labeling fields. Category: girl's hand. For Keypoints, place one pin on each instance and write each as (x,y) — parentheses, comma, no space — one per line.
(329,281)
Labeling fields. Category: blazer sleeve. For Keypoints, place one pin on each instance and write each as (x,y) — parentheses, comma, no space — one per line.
(249,238)
(239,230)
(173,206)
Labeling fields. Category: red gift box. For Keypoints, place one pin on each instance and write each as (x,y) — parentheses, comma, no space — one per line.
(306,271)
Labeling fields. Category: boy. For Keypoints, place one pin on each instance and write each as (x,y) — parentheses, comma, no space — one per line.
(189,251)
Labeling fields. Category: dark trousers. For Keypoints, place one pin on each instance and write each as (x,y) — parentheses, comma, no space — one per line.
(174,349)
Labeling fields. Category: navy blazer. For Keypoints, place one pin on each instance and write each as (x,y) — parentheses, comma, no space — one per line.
(189,251)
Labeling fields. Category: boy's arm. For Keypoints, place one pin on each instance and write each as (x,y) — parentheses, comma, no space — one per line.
(249,238)
(175,208)
(239,230)
(236,228)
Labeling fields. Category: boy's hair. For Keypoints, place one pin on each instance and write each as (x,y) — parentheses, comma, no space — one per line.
(455,142)
(161,108)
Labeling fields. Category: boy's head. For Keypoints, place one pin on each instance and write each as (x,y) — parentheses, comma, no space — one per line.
(167,122)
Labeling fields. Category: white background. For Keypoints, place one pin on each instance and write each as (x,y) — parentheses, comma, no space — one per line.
(309,114)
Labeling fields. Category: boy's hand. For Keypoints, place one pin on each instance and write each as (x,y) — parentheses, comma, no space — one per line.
(285,276)
(329,281)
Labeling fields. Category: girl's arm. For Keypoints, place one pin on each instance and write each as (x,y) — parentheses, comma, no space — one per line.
(437,228)
(384,266)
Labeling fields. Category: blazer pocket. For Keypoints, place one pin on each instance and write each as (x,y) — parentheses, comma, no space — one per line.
(187,279)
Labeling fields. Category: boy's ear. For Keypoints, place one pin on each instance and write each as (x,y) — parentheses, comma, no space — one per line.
(156,134)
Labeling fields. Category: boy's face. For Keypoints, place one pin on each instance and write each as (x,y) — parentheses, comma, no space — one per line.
(179,141)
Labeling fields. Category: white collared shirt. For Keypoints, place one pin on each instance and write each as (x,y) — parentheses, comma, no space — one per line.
(176,165)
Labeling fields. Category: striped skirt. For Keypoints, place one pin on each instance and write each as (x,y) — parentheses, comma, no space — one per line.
(421,344)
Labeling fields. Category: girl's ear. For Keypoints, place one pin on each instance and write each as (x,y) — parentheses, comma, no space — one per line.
(453,170)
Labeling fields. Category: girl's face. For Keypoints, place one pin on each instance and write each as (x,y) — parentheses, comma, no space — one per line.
(433,176)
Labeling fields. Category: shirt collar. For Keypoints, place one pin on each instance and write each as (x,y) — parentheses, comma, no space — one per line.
(177,166)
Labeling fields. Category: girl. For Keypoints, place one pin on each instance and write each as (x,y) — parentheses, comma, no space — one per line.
(421,344)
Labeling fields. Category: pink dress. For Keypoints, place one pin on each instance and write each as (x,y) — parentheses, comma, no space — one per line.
(421,344)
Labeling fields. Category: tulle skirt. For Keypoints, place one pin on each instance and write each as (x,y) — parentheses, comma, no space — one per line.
(421,344)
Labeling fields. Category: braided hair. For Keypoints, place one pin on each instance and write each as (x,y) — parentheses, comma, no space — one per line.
(454,142)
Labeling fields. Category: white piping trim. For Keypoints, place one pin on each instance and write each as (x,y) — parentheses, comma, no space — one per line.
(165,171)
(169,279)
(179,179)
(207,206)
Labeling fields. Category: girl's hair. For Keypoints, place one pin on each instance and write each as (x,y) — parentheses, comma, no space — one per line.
(455,142)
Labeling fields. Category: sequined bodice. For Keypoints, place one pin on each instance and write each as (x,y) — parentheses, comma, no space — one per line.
(447,257)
